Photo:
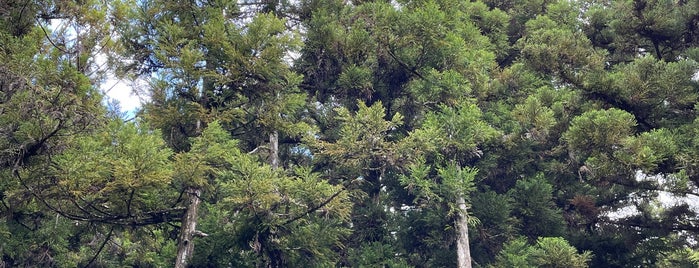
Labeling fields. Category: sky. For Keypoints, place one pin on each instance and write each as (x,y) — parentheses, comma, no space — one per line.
(122,90)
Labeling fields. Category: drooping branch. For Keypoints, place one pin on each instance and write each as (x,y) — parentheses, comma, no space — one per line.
(313,209)
(141,219)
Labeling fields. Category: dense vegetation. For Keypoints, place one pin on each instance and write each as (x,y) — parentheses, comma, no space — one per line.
(335,133)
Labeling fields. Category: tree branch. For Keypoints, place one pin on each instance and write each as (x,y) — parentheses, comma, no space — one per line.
(106,239)
(49,38)
(311,210)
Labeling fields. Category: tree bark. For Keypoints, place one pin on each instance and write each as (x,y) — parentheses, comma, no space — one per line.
(274,149)
(188,231)
(462,244)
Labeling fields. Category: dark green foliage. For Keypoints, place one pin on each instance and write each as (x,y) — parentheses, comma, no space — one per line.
(534,207)
(497,225)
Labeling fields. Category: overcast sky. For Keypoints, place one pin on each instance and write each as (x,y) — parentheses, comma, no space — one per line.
(122,91)
(114,88)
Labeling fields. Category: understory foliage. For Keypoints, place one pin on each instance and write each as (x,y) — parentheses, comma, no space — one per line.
(334,133)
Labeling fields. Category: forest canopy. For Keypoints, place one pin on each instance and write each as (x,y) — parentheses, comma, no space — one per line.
(337,133)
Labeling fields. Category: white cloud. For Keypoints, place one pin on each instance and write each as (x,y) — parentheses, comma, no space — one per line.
(123,91)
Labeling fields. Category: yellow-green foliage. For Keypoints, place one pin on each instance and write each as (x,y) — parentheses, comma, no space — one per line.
(121,170)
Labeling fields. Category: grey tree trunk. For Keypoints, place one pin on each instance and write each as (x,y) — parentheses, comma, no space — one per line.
(188,231)
(274,149)
(462,244)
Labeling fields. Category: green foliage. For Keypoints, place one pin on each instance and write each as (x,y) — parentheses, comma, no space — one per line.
(288,219)
(655,90)
(599,132)
(349,133)
(451,182)
(43,97)
(535,117)
(657,26)
(648,150)
(213,65)
(209,154)
(375,254)
(515,253)
(448,87)
(452,131)
(24,241)
(455,180)
(121,161)
(145,248)
(562,53)
(496,224)
(493,24)
(418,183)
(534,207)
(430,240)
(363,139)
(48,99)
(684,257)
(556,252)
(547,252)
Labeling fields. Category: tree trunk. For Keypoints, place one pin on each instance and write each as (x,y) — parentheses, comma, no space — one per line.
(462,247)
(274,149)
(185,246)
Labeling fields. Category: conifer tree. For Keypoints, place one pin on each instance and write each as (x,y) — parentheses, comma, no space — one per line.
(399,133)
